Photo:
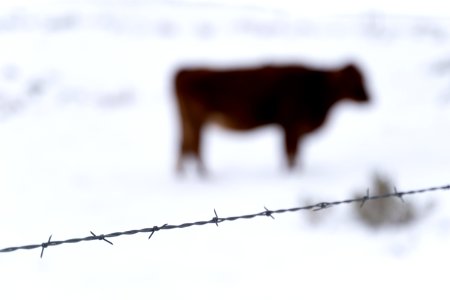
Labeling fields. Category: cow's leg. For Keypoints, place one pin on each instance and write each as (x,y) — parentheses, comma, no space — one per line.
(197,149)
(190,146)
(185,146)
(182,153)
(291,140)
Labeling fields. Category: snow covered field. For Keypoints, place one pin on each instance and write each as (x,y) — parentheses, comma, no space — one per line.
(88,143)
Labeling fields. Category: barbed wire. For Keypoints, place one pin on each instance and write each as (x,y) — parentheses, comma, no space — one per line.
(217,220)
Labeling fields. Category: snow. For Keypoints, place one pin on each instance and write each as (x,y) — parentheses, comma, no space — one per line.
(89,131)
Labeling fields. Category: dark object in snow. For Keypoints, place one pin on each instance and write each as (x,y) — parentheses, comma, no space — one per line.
(389,211)
(296,98)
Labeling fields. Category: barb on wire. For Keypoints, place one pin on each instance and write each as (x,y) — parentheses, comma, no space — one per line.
(156,228)
(399,195)
(322,205)
(101,237)
(366,197)
(45,245)
(269,213)
(216,219)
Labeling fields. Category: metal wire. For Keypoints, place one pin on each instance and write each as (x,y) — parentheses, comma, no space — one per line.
(217,220)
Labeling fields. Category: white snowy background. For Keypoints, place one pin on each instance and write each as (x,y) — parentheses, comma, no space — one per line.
(88,138)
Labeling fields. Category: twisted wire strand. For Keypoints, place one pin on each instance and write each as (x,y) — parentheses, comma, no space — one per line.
(217,220)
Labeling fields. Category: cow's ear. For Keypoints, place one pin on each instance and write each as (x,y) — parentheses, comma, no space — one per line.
(350,68)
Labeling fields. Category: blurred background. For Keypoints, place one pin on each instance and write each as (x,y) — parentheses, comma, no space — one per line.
(89,132)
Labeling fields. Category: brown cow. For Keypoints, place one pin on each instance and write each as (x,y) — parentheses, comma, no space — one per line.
(296,98)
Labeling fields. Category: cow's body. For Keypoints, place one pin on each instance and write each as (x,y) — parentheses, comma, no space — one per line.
(294,97)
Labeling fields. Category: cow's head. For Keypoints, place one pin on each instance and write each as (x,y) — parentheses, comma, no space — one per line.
(351,84)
